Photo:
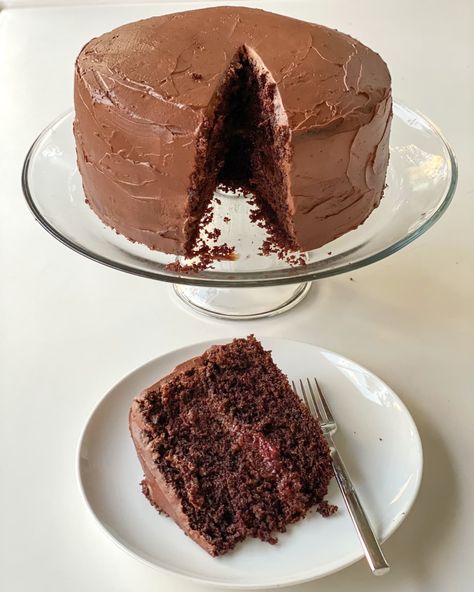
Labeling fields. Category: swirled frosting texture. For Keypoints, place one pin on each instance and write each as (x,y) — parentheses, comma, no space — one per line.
(143,91)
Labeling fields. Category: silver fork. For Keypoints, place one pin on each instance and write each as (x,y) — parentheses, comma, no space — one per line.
(319,408)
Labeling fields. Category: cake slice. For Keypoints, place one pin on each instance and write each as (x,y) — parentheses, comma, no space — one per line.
(227,448)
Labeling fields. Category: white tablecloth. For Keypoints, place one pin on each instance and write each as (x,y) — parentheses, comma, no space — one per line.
(70,328)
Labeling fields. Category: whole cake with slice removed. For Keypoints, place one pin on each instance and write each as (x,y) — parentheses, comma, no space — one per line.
(170,107)
(228,450)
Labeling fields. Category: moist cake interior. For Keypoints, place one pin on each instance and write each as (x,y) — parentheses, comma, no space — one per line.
(237,447)
(243,147)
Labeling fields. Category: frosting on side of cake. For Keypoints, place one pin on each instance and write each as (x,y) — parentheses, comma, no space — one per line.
(144,91)
(160,493)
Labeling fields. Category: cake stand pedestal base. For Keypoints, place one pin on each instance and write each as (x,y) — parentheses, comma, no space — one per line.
(240,304)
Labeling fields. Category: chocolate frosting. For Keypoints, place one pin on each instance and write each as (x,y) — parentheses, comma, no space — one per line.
(160,493)
(144,90)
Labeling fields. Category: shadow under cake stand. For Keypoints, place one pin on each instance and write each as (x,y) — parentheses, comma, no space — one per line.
(421,180)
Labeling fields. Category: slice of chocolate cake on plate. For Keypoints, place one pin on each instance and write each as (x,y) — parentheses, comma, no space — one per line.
(227,448)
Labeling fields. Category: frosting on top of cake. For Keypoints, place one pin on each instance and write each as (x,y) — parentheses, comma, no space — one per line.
(324,77)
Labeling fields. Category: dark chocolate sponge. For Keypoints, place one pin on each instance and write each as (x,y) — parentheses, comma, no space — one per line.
(228,450)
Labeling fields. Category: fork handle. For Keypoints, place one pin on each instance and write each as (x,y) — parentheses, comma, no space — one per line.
(373,552)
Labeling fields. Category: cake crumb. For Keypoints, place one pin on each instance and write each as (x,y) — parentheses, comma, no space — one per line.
(213,234)
(326,509)
(206,256)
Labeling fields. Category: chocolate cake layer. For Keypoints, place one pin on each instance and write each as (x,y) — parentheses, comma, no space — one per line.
(154,134)
(228,450)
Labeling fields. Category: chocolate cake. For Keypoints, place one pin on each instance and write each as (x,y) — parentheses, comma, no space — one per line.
(294,113)
(228,450)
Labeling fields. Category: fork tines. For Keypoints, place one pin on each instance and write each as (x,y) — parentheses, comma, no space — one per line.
(316,402)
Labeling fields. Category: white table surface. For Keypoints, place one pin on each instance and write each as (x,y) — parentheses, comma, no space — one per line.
(70,328)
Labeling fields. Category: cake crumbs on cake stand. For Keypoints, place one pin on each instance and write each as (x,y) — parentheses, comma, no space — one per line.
(203,255)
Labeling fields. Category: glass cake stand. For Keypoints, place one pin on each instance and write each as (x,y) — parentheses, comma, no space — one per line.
(421,181)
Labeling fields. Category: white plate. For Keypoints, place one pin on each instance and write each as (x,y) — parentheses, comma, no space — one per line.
(377,438)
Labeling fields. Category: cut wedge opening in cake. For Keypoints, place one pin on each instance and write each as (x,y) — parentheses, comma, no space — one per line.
(244,147)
